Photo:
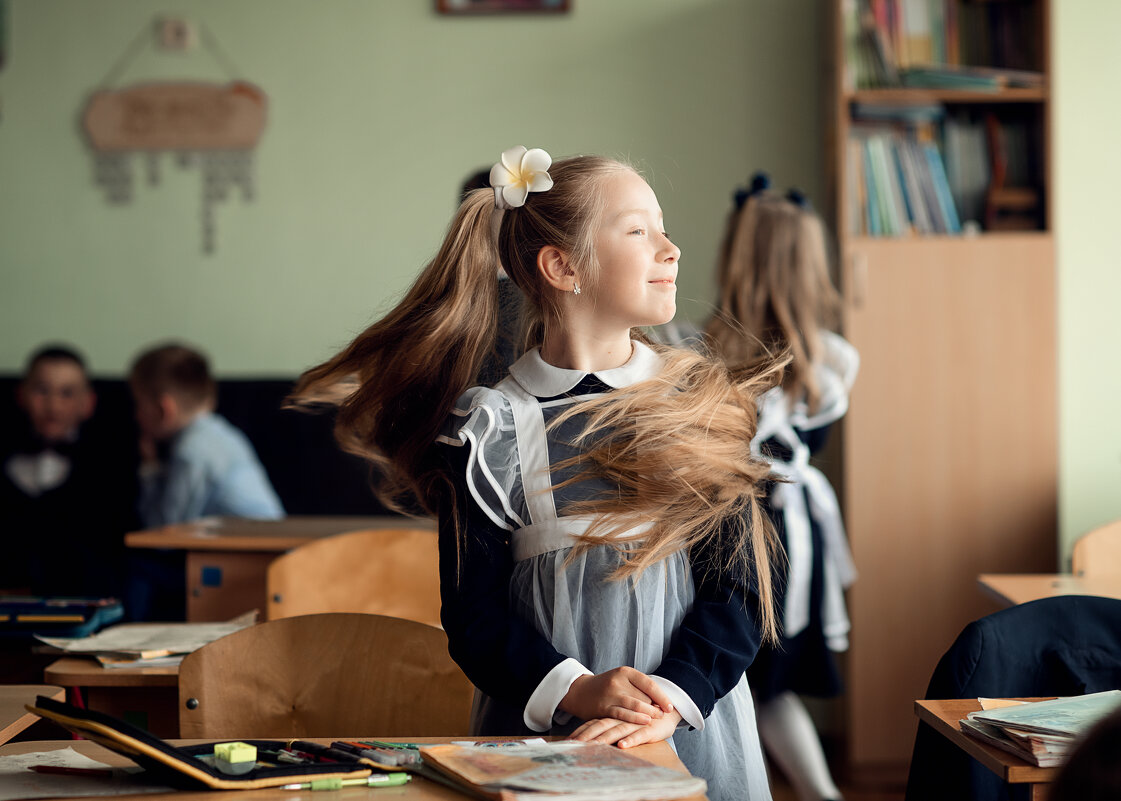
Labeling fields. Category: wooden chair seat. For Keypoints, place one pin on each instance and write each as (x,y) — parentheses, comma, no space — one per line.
(325,675)
(392,572)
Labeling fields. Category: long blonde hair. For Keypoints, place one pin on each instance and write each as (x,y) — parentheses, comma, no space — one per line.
(676,447)
(775,291)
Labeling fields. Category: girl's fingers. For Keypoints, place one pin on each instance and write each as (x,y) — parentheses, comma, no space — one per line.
(592,728)
(637,705)
(630,715)
(604,730)
(653,690)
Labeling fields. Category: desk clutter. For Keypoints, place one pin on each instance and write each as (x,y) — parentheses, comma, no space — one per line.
(147,644)
(1040,732)
(28,616)
(506,770)
(271,763)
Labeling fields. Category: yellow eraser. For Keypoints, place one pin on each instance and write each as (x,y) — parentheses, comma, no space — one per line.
(235,752)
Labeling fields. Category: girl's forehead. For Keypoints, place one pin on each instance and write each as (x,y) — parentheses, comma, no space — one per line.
(628,192)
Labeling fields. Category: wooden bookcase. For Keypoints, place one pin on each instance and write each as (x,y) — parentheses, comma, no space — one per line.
(948,455)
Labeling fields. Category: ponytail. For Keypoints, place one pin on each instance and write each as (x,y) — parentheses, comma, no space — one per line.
(395,384)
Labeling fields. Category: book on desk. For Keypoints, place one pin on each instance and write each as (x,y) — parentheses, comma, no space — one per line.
(1040,732)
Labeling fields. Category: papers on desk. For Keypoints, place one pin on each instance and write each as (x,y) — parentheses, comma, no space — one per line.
(1043,732)
(18,780)
(148,644)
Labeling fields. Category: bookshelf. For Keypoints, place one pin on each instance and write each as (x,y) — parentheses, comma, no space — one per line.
(947,460)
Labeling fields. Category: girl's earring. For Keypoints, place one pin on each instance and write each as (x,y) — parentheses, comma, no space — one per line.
(575,288)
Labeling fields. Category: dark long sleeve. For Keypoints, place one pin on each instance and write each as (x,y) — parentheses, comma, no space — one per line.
(719,637)
(502,654)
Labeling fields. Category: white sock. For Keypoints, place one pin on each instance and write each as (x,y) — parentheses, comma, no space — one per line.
(790,739)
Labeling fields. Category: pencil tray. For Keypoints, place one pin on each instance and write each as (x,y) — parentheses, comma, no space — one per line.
(180,766)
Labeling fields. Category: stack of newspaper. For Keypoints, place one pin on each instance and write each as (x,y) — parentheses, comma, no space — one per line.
(1042,732)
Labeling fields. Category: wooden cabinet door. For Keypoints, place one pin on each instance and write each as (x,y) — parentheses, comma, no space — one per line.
(949,455)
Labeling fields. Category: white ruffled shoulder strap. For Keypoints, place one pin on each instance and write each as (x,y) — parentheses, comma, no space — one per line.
(483,421)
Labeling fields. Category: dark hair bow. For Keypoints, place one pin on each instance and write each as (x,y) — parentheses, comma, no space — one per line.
(796,197)
(759,182)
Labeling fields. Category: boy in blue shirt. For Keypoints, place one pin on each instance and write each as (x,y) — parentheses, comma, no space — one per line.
(194,463)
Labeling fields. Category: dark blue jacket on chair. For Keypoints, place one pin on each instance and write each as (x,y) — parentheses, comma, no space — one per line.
(1068,645)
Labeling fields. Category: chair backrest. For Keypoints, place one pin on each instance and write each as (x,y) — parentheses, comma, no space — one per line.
(392,572)
(1098,552)
(339,674)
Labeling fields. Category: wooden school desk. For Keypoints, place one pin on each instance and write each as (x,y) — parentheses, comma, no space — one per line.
(1018,588)
(13,697)
(943,716)
(228,557)
(147,697)
(419,789)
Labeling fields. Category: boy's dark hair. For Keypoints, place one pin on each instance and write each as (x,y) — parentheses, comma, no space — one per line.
(54,352)
(176,370)
(476,180)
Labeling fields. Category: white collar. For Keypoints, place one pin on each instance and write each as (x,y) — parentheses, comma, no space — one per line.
(543,380)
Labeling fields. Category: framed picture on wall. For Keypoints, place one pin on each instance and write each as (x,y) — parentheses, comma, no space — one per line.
(500,6)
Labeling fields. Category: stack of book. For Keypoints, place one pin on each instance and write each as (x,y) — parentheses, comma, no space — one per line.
(1044,732)
(897,179)
(941,44)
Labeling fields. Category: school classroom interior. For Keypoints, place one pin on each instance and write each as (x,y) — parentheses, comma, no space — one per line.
(378,110)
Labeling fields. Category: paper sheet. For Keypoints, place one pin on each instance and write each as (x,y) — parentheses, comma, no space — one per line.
(17,780)
(138,638)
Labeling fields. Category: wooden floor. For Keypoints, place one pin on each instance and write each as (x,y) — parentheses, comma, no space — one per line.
(781,791)
(881,786)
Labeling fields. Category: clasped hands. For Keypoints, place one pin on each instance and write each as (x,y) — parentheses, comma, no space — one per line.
(623,707)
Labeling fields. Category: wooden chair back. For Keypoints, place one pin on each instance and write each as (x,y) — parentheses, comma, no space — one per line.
(329,675)
(1098,552)
(392,572)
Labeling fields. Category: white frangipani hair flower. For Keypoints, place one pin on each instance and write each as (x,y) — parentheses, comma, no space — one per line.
(520,172)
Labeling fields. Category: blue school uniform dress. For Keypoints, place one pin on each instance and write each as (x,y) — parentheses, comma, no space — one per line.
(523,620)
(806,515)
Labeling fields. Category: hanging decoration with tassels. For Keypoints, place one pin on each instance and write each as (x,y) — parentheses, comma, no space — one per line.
(214,126)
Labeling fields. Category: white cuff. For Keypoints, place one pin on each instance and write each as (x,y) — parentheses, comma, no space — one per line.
(542,705)
(682,703)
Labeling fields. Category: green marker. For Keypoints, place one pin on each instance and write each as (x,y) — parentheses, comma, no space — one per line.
(376,780)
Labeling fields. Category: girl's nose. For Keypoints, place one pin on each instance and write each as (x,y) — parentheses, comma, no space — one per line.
(671,252)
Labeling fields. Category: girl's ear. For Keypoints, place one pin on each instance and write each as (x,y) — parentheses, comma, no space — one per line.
(552,263)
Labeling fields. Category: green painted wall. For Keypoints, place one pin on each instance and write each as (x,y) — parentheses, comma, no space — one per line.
(1087,176)
(377,111)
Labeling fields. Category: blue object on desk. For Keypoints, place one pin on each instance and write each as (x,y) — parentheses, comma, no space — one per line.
(212,576)
(26,616)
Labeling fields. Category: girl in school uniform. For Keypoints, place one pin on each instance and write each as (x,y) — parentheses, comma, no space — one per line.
(776,294)
(604,558)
